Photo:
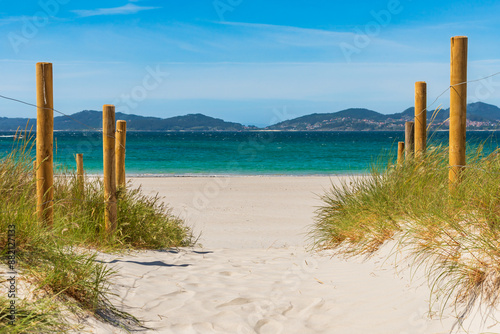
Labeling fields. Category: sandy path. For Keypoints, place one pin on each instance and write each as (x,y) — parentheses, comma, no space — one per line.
(252,274)
(243,212)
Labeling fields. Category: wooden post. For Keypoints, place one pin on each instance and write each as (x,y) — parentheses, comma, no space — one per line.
(108,135)
(401,149)
(44,143)
(121,133)
(458,106)
(79,173)
(420,117)
(409,139)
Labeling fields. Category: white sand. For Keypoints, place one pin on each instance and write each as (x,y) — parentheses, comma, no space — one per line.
(243,212)
(253,275)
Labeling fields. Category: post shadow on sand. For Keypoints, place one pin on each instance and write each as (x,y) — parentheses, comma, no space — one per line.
(151,263)
(158,263)
(175,251)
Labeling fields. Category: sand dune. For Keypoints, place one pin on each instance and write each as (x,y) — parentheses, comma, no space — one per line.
(253,274)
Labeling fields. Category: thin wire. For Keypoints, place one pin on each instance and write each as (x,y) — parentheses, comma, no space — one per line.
(57,111)
(16,100)
(458,84)
(60,112)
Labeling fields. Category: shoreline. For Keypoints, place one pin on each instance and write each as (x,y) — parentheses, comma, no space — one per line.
(248,130)
(188,175)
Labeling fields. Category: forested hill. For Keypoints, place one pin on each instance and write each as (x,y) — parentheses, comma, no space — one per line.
(92,120)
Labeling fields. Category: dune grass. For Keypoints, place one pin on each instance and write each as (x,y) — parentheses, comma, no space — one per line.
(454,233)
(59,262)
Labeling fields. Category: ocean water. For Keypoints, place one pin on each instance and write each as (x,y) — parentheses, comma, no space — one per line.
(242,153)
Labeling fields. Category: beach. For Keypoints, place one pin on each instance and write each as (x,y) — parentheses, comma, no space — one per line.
(253,272)
(235,167)
(243,211)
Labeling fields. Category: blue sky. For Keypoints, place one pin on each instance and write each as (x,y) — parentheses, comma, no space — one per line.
(249,61)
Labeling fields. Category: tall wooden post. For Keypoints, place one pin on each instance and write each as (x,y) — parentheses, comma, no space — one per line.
(44,143)
(458,106)
(79,173)
(108,135)
(409,139)
(121,133)
(401,149)
(420,117)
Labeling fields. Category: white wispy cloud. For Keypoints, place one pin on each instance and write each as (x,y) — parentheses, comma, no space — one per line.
(297,32)
(129,8)
(25,18)
(308,38)
(12,19)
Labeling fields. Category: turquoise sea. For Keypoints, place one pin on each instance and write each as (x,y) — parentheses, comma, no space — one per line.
(243,153)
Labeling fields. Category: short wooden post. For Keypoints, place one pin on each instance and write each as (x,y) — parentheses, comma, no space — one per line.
(420,117)
(409,139)
(121,133)
(401,149)
(108,135)
(44,143)
(79,173)
(458,106)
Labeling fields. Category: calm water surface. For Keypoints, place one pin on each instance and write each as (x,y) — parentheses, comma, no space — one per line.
(246,153)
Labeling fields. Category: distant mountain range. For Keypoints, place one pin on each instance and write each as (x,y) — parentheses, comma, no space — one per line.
(480,116)
(92,120)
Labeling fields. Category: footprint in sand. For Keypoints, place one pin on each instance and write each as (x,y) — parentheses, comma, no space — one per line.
(236,302)
(268,326)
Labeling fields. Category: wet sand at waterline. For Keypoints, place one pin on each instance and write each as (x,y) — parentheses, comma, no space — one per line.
(252,272)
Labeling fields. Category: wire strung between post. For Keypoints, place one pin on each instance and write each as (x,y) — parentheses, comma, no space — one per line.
(458,84)
(60,112)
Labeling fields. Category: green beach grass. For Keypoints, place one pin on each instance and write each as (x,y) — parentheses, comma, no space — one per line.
(59,263)
(454,233)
